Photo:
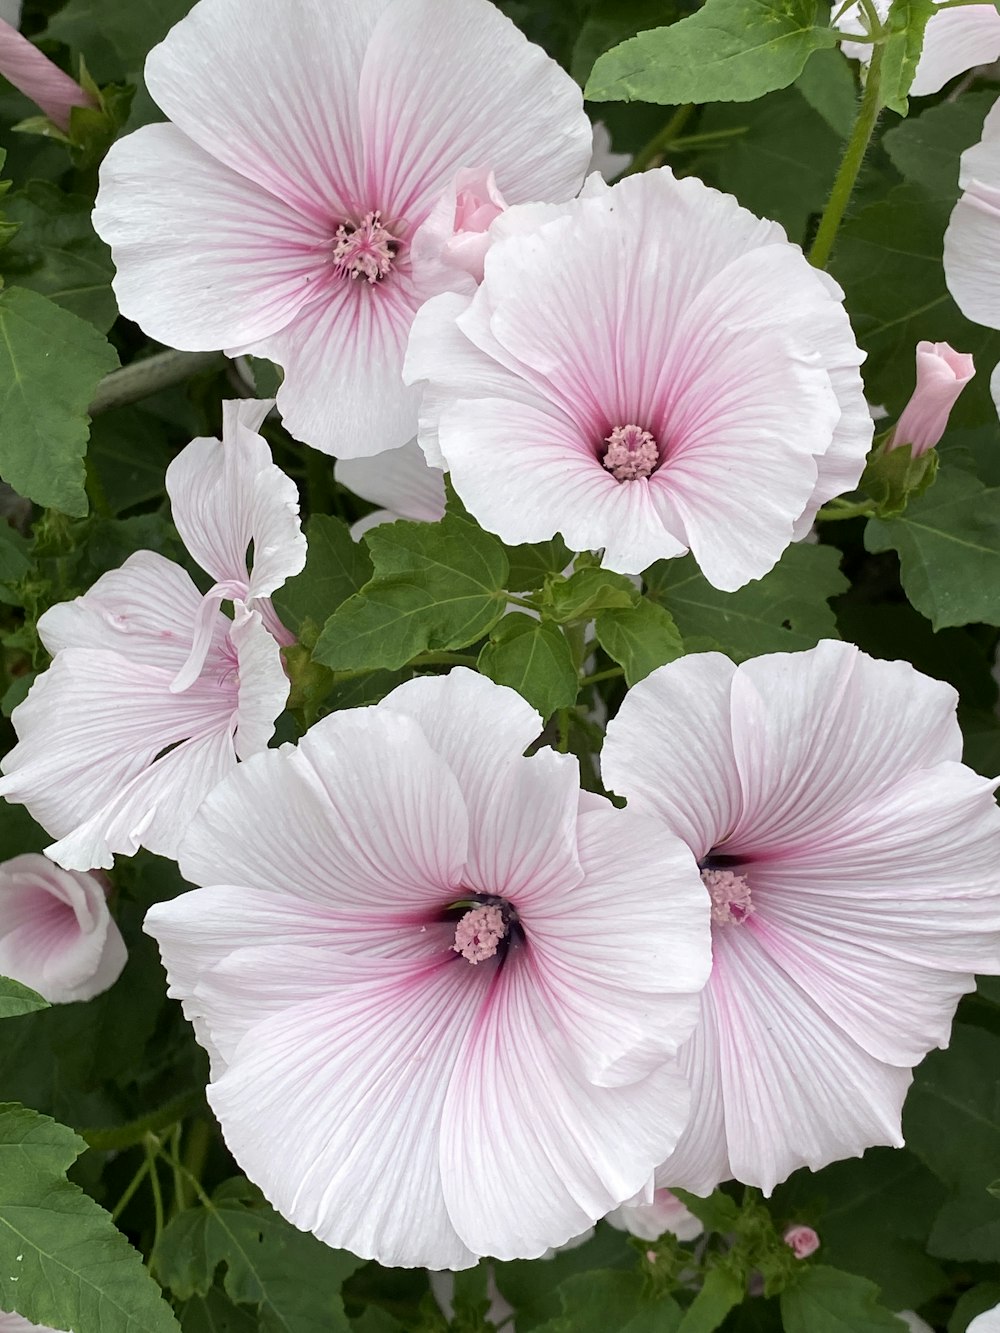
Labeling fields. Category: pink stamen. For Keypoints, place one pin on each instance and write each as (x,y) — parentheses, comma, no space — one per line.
(366,250)
(730,894)
(478,934)
(631,453)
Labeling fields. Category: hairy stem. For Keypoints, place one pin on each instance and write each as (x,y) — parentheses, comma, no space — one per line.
(133,383)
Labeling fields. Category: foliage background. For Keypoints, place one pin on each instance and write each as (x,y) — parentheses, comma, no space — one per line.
(915,1229)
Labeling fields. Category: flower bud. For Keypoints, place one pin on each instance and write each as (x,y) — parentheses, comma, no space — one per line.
(802,1241)
(942,374)
(35,75)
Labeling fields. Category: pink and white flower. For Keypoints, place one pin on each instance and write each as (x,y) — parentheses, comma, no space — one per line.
(851,862)
(56,933)
(650,1221)
(942,374)
(34,74)
(281,223)
(647,369)
(972,241)
(955,40)
(153,693)
(441,988)
(401,481)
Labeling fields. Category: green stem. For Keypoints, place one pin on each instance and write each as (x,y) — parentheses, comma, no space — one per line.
(198,1144)
(180,1195)
(526,602)
(153,1148)
(660,141)
(142,378)
(130,1190)
(847,174)
(612,673)
(839,509)
(443,659)
(709,137)
(562,726)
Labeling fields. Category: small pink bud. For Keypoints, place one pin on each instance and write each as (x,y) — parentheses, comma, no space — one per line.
(802,1241)
(942,374)
(651,1256)
(34,74)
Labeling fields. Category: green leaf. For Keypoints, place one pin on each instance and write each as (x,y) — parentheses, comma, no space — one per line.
(128,476)
(906,22)
(531,565)
(57,253)
(985,1296)
(116,37)
(609,1301)
(639,639)
(16,999)
(534,1288)
(717,1211)
(63,1263)
(825,1300)
(949,550)
(293,1279)
(783,612)
(894,477)
(585,593)
(436,586)
(607,24)
(533,658)
(720,1292)
(336,568)
(925,149)
(214,1314)
(50,365)
(729,51)
(14,559)
(828,85)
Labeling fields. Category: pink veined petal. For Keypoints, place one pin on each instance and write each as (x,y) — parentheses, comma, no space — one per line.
(531,1152)
(34,74)
(649,1221)
(400,480)
(522,812)
(700,1161)
(331,1105)
(56,934)
(806,725)
(359,781)
(669,750)
(796,1090)
(273,95)
(263,685)
(226,495)
(525,122)
(340,355)
(638,922)
(205,258)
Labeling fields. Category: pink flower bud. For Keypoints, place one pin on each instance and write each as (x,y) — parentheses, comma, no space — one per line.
(34,74)
(802,1241)
(942,374)
(449,248)
(56,933)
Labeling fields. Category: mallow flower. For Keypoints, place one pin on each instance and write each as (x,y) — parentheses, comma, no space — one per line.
(649,1221)
(400,481)
(852,867)
(955,40)
(307,143)
(942,374)
(440,986)
(56,933)
(153,693)
(647,369)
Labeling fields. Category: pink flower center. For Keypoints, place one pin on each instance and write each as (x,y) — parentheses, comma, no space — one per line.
(479,933)
(366,250)
(730,895)
(631,453)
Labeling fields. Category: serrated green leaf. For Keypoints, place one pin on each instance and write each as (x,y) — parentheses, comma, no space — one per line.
(533,658)
(610,1301)
(720,1292)
(63,1263)
(436,586)
(717,1211)
(16,999)
(14,559)
(825,1300)
(608,24)
(729,51)
(58,254)
(50,364)
(586,592)
(530,565)
(785,611)
(949,550)
(293,1279)
(213,1313)
(827,83)
(336,568)
(906,23)
(639,639)
(926,149)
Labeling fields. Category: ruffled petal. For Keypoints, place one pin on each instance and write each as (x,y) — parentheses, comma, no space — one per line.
(204,257)
(700,1162)
(669,750)
(225,495)
(263,685)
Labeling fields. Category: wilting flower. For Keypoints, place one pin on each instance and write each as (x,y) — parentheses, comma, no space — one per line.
(154,693)
(954,40)
(34,74)
(942,374)
(649,1221)
(972,241)
(647,369)
(439,985)
(56,933)
(802,1241)
(401,481)
(280,223)
(851,863)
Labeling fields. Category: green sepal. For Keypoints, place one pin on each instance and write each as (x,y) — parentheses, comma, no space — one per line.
(893,476)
